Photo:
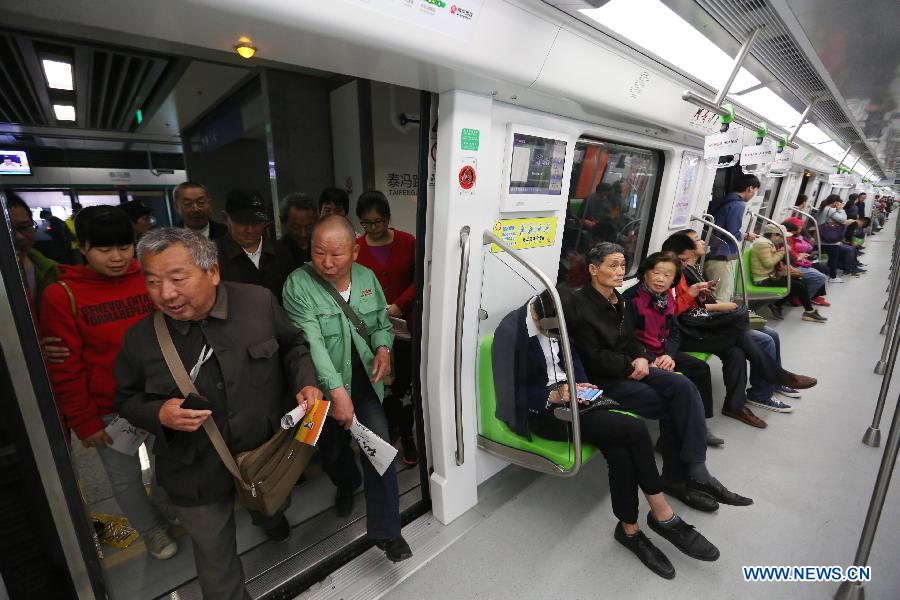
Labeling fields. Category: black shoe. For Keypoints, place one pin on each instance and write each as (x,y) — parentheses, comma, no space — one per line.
(685,538)
(652,557)
(343,502)
(712,440)
(719,492)
(396,550)
(280,532)
(776,311)
(693,498)
(410,453)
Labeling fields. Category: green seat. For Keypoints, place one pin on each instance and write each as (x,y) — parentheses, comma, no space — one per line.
(704,356)
(752,288)
(497,431)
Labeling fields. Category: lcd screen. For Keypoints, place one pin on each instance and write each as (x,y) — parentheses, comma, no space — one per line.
(14,162)
(537,165)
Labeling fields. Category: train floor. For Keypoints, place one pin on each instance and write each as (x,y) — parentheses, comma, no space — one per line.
(810,477)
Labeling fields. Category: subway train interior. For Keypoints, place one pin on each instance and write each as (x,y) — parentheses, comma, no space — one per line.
(524,144)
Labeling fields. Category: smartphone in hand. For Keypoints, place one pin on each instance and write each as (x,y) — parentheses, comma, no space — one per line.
(588,394)
(196,402)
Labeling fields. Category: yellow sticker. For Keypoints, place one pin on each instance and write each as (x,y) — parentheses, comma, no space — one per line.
(523,234)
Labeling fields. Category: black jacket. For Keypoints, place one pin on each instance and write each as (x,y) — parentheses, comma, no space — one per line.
(261,362)
(604,336)
(217,230)
(275,264)
(301,256)
(520,372)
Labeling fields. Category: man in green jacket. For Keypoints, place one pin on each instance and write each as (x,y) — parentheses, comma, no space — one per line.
(350,371)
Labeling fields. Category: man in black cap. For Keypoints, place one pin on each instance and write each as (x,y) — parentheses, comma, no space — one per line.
(245,254)
(139,214)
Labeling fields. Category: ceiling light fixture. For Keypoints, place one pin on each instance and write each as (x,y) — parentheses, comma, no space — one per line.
(59,74)
(64,112)
(245,48)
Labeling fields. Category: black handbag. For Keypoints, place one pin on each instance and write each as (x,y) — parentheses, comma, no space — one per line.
(714,329)
(831,232)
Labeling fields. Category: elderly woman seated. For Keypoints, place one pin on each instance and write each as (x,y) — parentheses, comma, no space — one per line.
(768,269)
(530,380)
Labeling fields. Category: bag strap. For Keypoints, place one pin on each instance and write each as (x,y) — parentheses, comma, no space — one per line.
(342,304)
(184,383)
(71,296)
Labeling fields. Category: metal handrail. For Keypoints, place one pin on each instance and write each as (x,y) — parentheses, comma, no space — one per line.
(490,238)
(740,258)
(787,259)
(816,223)
(872,436)
(465,244)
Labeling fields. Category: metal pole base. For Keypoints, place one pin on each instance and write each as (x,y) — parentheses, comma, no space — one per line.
(850,591)
(880,367)
(872,437)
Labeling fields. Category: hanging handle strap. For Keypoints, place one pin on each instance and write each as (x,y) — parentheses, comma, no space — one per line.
(184,383)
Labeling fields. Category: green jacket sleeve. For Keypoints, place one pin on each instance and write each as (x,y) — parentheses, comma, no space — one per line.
(382,334)
(303,313)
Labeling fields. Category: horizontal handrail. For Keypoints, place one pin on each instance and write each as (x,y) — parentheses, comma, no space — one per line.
(490,238)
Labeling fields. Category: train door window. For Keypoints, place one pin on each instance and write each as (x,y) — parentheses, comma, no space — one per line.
(98,197)
(772,185)
(612,195)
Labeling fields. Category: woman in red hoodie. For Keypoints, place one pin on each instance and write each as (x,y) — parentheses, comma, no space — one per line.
(90,308)
(391,254)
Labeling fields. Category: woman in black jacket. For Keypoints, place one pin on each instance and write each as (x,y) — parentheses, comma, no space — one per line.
(617,362)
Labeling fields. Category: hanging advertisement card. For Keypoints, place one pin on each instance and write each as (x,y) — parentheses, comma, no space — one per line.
(761,154)
(684,191)
(724,144)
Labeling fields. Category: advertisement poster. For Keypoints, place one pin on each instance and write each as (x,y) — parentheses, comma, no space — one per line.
(452,17)
(684,191)
(523,234)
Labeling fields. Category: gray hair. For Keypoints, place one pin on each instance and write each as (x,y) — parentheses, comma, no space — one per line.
(599,252)
(339,222)
(179,189)
(203,251)
(300,201)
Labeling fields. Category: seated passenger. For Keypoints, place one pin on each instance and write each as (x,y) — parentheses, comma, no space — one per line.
(814,276)
(832,223)
(653,315)
(90,309)
(351,370)
(391,254)
(530,380)
(333,201)
(617,362)
(246,254)
(761,348)
(768,269)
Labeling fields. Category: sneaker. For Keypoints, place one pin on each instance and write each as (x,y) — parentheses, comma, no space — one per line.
(159,545)
(776,311)
(167,510)
(771,404)
(786,391)
(835,280)
(813,316)
(820,301)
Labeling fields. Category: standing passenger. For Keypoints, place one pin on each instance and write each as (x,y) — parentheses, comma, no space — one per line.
(90,308)
(334,201)
(351,369)
(298,217)
(140,214)
(729,215)
(245,254)
(249,363)
(194,206)
(391,254)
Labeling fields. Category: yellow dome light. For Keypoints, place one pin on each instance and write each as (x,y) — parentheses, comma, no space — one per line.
(245,48)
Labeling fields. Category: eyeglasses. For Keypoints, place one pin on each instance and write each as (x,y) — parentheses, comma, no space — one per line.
(373,223)
(25,228)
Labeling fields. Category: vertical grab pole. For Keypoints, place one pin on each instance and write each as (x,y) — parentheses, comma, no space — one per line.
(872,436)
(816,224)
(457,354)
(852,590)
(736,67)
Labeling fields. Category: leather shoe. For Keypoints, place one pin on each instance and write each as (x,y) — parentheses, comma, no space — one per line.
(396,550)
(693,498)
(718,491)
(343,502)
(685,538)
(643,548)
(713,440)
(280,532)
(746,416)
(799,382)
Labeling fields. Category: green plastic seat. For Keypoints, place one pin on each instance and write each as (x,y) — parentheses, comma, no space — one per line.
(752,288)
(704,356)
(497,431)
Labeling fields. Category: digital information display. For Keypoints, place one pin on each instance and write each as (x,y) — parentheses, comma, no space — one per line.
(14,162)
(537,165)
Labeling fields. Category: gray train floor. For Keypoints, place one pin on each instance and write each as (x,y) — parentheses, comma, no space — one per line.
(809,474)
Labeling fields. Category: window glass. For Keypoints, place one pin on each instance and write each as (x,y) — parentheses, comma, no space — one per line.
(611,197)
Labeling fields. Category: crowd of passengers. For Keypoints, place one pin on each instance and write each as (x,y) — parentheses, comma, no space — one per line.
(263,335)
(634,346)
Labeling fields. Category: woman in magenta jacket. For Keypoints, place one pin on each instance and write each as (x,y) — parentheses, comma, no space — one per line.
(391,254)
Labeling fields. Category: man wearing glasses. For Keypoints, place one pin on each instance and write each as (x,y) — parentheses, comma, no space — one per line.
(194,206)
(38,271)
